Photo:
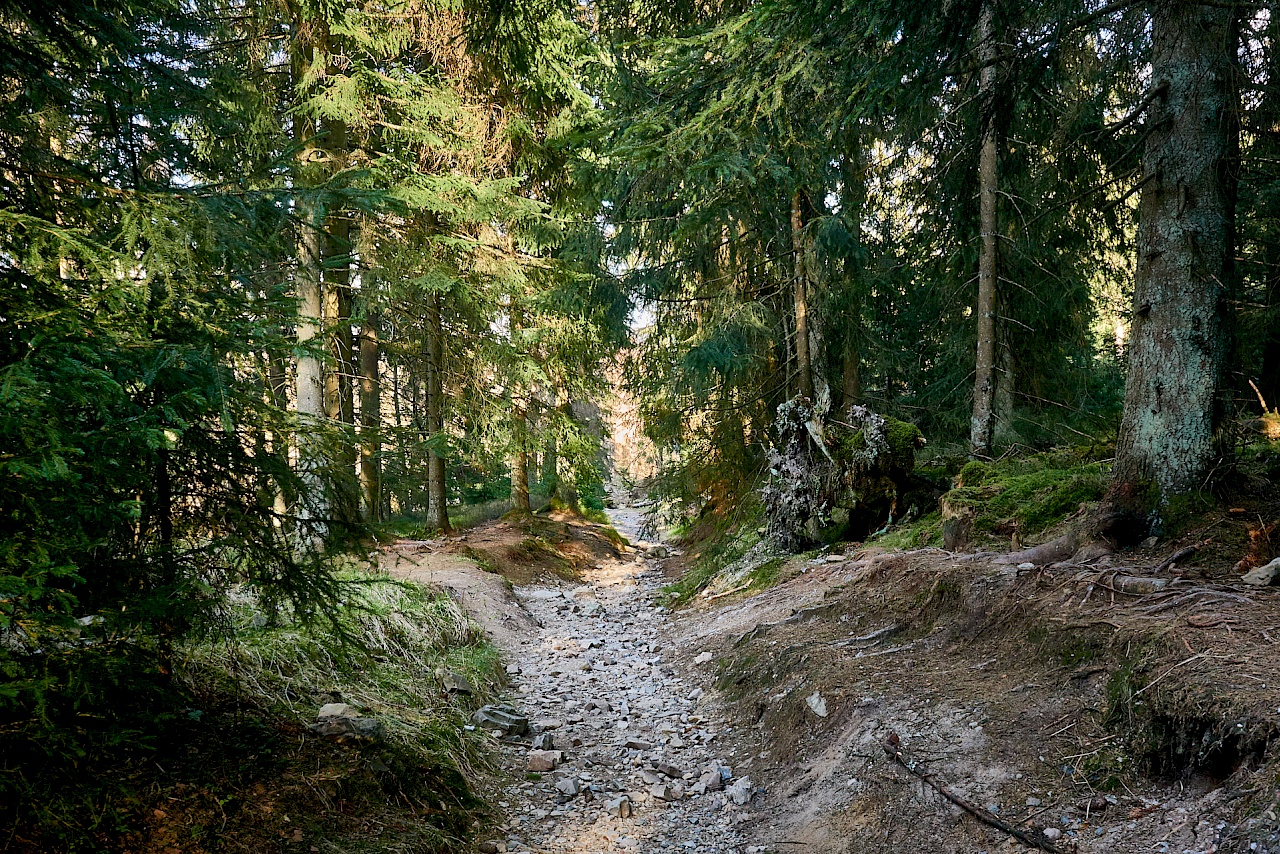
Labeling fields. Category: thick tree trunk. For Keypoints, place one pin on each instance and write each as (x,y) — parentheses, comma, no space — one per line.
(370,421)
(981,424)
(804,365)
(1185,245)
(437,505)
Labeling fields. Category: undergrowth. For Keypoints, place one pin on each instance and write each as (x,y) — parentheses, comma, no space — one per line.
(715,541)
(221,757)
(398,636)
(1031,493)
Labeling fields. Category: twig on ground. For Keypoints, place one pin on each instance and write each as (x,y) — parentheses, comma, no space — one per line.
(1177,556)
(1198,655)
(1034,840)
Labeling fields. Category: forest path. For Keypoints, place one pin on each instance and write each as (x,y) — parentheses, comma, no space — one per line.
(645,764)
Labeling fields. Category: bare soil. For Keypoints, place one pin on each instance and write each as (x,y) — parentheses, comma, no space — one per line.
(1090,706)
(1116,721)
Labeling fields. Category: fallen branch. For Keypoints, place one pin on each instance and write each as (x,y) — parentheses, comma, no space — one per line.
(877,635)
(1034,840)
(1175,557)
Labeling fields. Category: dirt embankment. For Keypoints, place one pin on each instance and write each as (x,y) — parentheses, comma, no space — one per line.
(1097,709)
(478,567)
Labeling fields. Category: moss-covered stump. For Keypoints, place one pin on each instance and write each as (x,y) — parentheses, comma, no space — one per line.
(834,478)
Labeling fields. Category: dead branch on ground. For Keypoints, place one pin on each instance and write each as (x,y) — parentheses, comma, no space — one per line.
(1031,839)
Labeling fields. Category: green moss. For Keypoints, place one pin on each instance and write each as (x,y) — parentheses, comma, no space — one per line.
(849,443)
(925,531)
(1037,492)
(765,575)
(973,474)
(903,439)
(480,559)
(1182,511)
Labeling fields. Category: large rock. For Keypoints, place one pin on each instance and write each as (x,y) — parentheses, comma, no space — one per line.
(740,792)
(542,761)
(340,722)
(618,807)
(502,718)
(454,682)
(1263,576)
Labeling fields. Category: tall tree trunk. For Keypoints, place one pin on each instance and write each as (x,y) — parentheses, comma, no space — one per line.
(313,509)
(981,424)
(437,504)
(519,431)
(804,365)
(851,381)
(853,197)
(339,393)
(339,388)
(520,459)
(309,394)
(370,420)
(1185,247)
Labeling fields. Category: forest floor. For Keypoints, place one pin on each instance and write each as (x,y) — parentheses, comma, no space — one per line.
(1084,706)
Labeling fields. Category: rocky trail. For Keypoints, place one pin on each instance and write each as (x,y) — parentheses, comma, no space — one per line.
(752,722)
(609,730)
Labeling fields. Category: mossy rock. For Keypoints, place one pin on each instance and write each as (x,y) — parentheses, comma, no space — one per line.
(902,437)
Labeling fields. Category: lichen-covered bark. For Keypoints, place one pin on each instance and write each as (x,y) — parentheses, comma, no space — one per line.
(981,427)
(1185,237)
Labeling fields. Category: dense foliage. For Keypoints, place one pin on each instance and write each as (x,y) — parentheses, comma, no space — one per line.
(276,272)
(839,143)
